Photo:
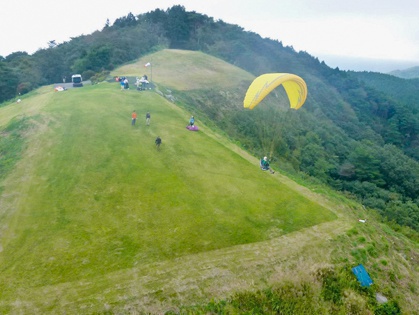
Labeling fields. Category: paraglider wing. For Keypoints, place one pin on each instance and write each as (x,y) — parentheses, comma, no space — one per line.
(294,86)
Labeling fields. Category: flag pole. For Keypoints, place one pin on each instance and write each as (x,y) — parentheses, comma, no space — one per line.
(150,64)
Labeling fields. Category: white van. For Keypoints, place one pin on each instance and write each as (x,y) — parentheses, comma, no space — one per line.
(77,80)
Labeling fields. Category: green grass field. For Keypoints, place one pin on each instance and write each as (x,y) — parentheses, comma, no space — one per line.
(99,197)
(95,219)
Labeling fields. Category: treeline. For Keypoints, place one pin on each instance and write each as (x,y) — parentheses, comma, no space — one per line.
(127,39)
(358,132)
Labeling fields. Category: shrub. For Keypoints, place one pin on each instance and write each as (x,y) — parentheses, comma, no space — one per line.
(389,308)
(24,87)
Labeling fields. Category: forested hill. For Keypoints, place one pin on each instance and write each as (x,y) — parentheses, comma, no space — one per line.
(357,133)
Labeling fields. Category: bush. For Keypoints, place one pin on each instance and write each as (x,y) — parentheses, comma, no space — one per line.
(24,87)
(99,77)
(331,287)
(88,74)
(389,308)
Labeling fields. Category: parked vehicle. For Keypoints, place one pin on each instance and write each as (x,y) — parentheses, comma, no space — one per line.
(77,80)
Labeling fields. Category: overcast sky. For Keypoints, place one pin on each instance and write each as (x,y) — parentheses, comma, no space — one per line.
(383,30)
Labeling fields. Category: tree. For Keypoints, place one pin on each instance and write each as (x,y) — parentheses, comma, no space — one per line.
(8,82)
(51,65)
(366,160)
(97,59)
(127,21)
(177,26)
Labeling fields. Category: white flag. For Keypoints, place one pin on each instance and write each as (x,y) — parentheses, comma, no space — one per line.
(147,64)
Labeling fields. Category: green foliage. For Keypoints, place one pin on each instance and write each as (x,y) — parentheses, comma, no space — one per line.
(332,288)
(98,77)
(284,299)
(406,214)
(126,21)
(96,59)
(8,82)
(389,308)
(51,64)
(24,87)
(177,26)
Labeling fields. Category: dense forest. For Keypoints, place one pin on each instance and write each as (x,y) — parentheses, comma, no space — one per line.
(357,133)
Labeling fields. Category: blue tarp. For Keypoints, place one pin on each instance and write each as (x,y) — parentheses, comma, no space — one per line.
(362,275)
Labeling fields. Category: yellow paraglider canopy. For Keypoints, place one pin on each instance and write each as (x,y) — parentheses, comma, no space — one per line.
(294,86)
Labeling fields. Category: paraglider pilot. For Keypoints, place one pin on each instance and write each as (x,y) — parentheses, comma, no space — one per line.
(264,165)
(158,142)
(191,121)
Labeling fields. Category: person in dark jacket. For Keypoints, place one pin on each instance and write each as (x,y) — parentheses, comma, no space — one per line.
(147,118)
(158,142)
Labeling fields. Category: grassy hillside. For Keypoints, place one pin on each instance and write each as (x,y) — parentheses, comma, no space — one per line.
(186,70)
(95,219)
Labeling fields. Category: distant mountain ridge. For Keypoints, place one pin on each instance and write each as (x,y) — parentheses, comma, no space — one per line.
(410,73)
(365,64)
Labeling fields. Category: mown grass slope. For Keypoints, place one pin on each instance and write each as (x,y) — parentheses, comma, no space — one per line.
(92,195)
(95,219)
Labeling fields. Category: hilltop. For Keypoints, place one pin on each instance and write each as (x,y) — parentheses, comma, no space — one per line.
(94,219)
(185,70)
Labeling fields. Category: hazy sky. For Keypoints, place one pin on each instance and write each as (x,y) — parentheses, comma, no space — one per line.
(369,29)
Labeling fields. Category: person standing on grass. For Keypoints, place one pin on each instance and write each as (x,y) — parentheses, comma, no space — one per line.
(158,142)
(147,118)
(133,118)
